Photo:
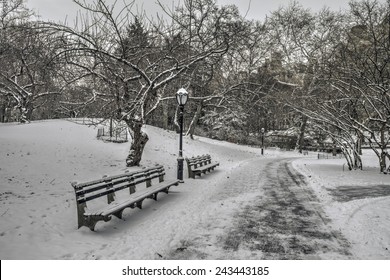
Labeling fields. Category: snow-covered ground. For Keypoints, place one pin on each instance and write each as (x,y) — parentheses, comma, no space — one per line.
(38,211)
(358,201)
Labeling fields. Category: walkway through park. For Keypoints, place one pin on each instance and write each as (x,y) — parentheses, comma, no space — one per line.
(283,220)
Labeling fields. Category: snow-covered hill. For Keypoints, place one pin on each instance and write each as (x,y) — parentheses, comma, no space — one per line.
(38,211)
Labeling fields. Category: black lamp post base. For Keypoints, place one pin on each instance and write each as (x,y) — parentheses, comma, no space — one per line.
(180,169)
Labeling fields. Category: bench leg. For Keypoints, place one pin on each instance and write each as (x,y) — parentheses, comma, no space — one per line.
(139,204)
(92,225)
(166,190)
(90,221)
(119,214)
(80,214)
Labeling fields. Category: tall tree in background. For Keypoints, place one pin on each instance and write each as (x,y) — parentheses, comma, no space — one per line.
(228,93)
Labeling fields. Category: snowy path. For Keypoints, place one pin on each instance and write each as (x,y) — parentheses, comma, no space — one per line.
(292,222)
(282,220)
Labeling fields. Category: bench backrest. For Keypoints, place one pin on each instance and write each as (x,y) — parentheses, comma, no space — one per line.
(107,186)
(198,161)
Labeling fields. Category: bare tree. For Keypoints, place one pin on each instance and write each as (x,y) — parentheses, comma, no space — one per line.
(364,74)
(130,61)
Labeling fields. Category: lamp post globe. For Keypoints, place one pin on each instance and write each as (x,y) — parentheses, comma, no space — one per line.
(181,98)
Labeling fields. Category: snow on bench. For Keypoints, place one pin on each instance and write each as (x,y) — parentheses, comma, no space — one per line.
(200,164)
(110,186)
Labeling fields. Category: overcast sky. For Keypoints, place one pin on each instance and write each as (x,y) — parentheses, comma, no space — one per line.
(57,10)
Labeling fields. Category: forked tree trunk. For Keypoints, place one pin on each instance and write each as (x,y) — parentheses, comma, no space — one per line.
(138,142)
(349,161)
(351,155)
(25,109)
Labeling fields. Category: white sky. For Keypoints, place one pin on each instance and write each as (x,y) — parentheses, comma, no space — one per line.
(57,10)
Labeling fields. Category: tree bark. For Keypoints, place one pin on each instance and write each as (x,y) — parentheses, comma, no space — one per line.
(2,113)
(25,109)
(301,136)
(359,143)
(165,116)
(195,119)
(358,164)
(382,159)
(138,143)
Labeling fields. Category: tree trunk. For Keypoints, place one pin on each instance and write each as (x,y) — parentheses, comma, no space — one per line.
(382,162)
(2,113)
(359,142)
(358,164)
(355,158)
(388,157)
(301,136)
(165,116)
(25,109)
(138,142)
(351,155)
(195,120)
(348,157)
(383,146)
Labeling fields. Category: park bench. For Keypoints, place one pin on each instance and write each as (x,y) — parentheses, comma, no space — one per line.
(128,188)
(200,164)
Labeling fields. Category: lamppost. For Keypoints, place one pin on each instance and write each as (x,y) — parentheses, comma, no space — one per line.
(262,140)
(181,98)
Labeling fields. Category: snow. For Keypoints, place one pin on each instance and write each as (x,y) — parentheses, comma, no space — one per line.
(364,221)
(38,212)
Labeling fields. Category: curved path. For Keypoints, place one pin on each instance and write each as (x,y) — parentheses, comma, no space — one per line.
(275,216)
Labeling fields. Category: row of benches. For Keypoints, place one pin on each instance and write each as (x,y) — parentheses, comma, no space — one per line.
(129,187)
